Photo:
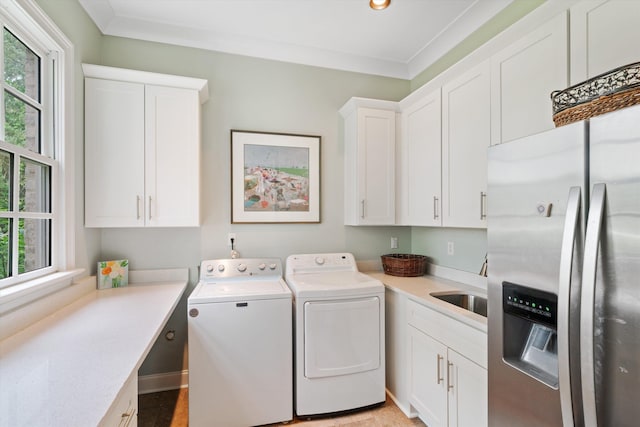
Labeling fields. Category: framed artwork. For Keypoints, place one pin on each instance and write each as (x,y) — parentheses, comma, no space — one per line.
(275,177)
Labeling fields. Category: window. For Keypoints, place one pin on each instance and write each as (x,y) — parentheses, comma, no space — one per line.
(36,155)
(26,164)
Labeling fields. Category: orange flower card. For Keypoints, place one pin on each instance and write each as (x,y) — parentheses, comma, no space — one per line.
(113,274)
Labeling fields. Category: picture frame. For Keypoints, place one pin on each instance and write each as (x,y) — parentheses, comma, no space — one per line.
(275,177)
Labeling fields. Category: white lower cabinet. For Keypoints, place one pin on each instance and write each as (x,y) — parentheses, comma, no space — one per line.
(447,383)
(428,384)
(468,381)
(124,411)
(396,350)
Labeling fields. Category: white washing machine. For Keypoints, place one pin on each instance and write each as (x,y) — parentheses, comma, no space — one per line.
(339,334)
(240,344)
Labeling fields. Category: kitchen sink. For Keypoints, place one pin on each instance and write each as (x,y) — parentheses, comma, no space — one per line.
(474,303)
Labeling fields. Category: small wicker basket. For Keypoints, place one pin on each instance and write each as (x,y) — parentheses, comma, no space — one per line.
(610,91)
(404,265)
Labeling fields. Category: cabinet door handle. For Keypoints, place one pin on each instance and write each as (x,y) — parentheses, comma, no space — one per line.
(149,207)
(362,209)
(435,207)
(449,375)
(439,374)
(483,205)
(137,207)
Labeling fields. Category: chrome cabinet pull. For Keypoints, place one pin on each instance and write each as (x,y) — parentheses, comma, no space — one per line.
(435,207)
(483,205)
(439,374)
(449,376)
(137,207)
(149,207)
(564,294)
(362,209)
(587,303)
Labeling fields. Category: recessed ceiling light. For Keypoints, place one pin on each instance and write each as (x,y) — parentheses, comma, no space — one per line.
(379,4)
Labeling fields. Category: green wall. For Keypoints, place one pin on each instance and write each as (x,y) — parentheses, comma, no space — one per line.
(262,95)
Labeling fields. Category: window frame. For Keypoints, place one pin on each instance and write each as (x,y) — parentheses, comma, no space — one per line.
(27,21)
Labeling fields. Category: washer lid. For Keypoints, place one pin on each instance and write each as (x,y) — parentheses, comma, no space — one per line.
(242,290)
(330,284)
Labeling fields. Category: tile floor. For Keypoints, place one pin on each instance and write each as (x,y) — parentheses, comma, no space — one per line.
(171,409)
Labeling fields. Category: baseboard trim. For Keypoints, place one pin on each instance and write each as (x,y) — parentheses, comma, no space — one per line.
(162,382)
(406,411)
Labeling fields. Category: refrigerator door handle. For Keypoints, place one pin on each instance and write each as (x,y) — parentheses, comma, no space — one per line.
(564,292)
(587,303)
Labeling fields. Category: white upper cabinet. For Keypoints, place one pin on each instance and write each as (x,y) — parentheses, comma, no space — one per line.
(142,148)
(419,166)
(604,36)
(172,156)
(370,146)
(114,153)
(522,78)
(466,135)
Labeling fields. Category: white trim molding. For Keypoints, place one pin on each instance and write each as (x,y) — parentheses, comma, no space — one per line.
(154,383)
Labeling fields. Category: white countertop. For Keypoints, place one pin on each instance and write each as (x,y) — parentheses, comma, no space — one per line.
(67,369)
(420,288)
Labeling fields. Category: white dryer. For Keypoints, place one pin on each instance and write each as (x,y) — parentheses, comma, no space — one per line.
(240,350)
(339,334)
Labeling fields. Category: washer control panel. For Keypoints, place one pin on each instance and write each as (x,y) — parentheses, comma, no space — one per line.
(216,269)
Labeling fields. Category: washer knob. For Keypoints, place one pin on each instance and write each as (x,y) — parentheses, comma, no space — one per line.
(220,268)
(319,260)
(242,268)
(262,266)
(272,266)
(209,268)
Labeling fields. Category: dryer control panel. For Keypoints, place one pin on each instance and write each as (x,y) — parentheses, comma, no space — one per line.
(314,263)
(262,268)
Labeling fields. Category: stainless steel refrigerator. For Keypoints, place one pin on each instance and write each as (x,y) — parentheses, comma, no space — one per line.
(564,276)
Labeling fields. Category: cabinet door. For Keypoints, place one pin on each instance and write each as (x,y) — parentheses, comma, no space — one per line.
(114,153)
(172,157)
(600,35)
(522,78)
(466,106)
(376,166)
(124,411)
(420,163)
(468,393)
(427,377)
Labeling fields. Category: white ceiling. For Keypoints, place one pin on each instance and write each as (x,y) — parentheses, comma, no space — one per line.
(400,41)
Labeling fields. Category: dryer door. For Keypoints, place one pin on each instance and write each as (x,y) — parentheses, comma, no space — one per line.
(341,337)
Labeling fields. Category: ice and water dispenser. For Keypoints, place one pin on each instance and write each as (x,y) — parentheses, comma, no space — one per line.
(530,331)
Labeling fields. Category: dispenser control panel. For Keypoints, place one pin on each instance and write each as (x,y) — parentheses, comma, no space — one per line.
(532,304)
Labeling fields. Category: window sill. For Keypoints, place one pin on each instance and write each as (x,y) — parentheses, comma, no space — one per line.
(29,291)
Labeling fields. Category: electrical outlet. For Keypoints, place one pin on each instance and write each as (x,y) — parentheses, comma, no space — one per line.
(394,243)
(450,248)
(229,237)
